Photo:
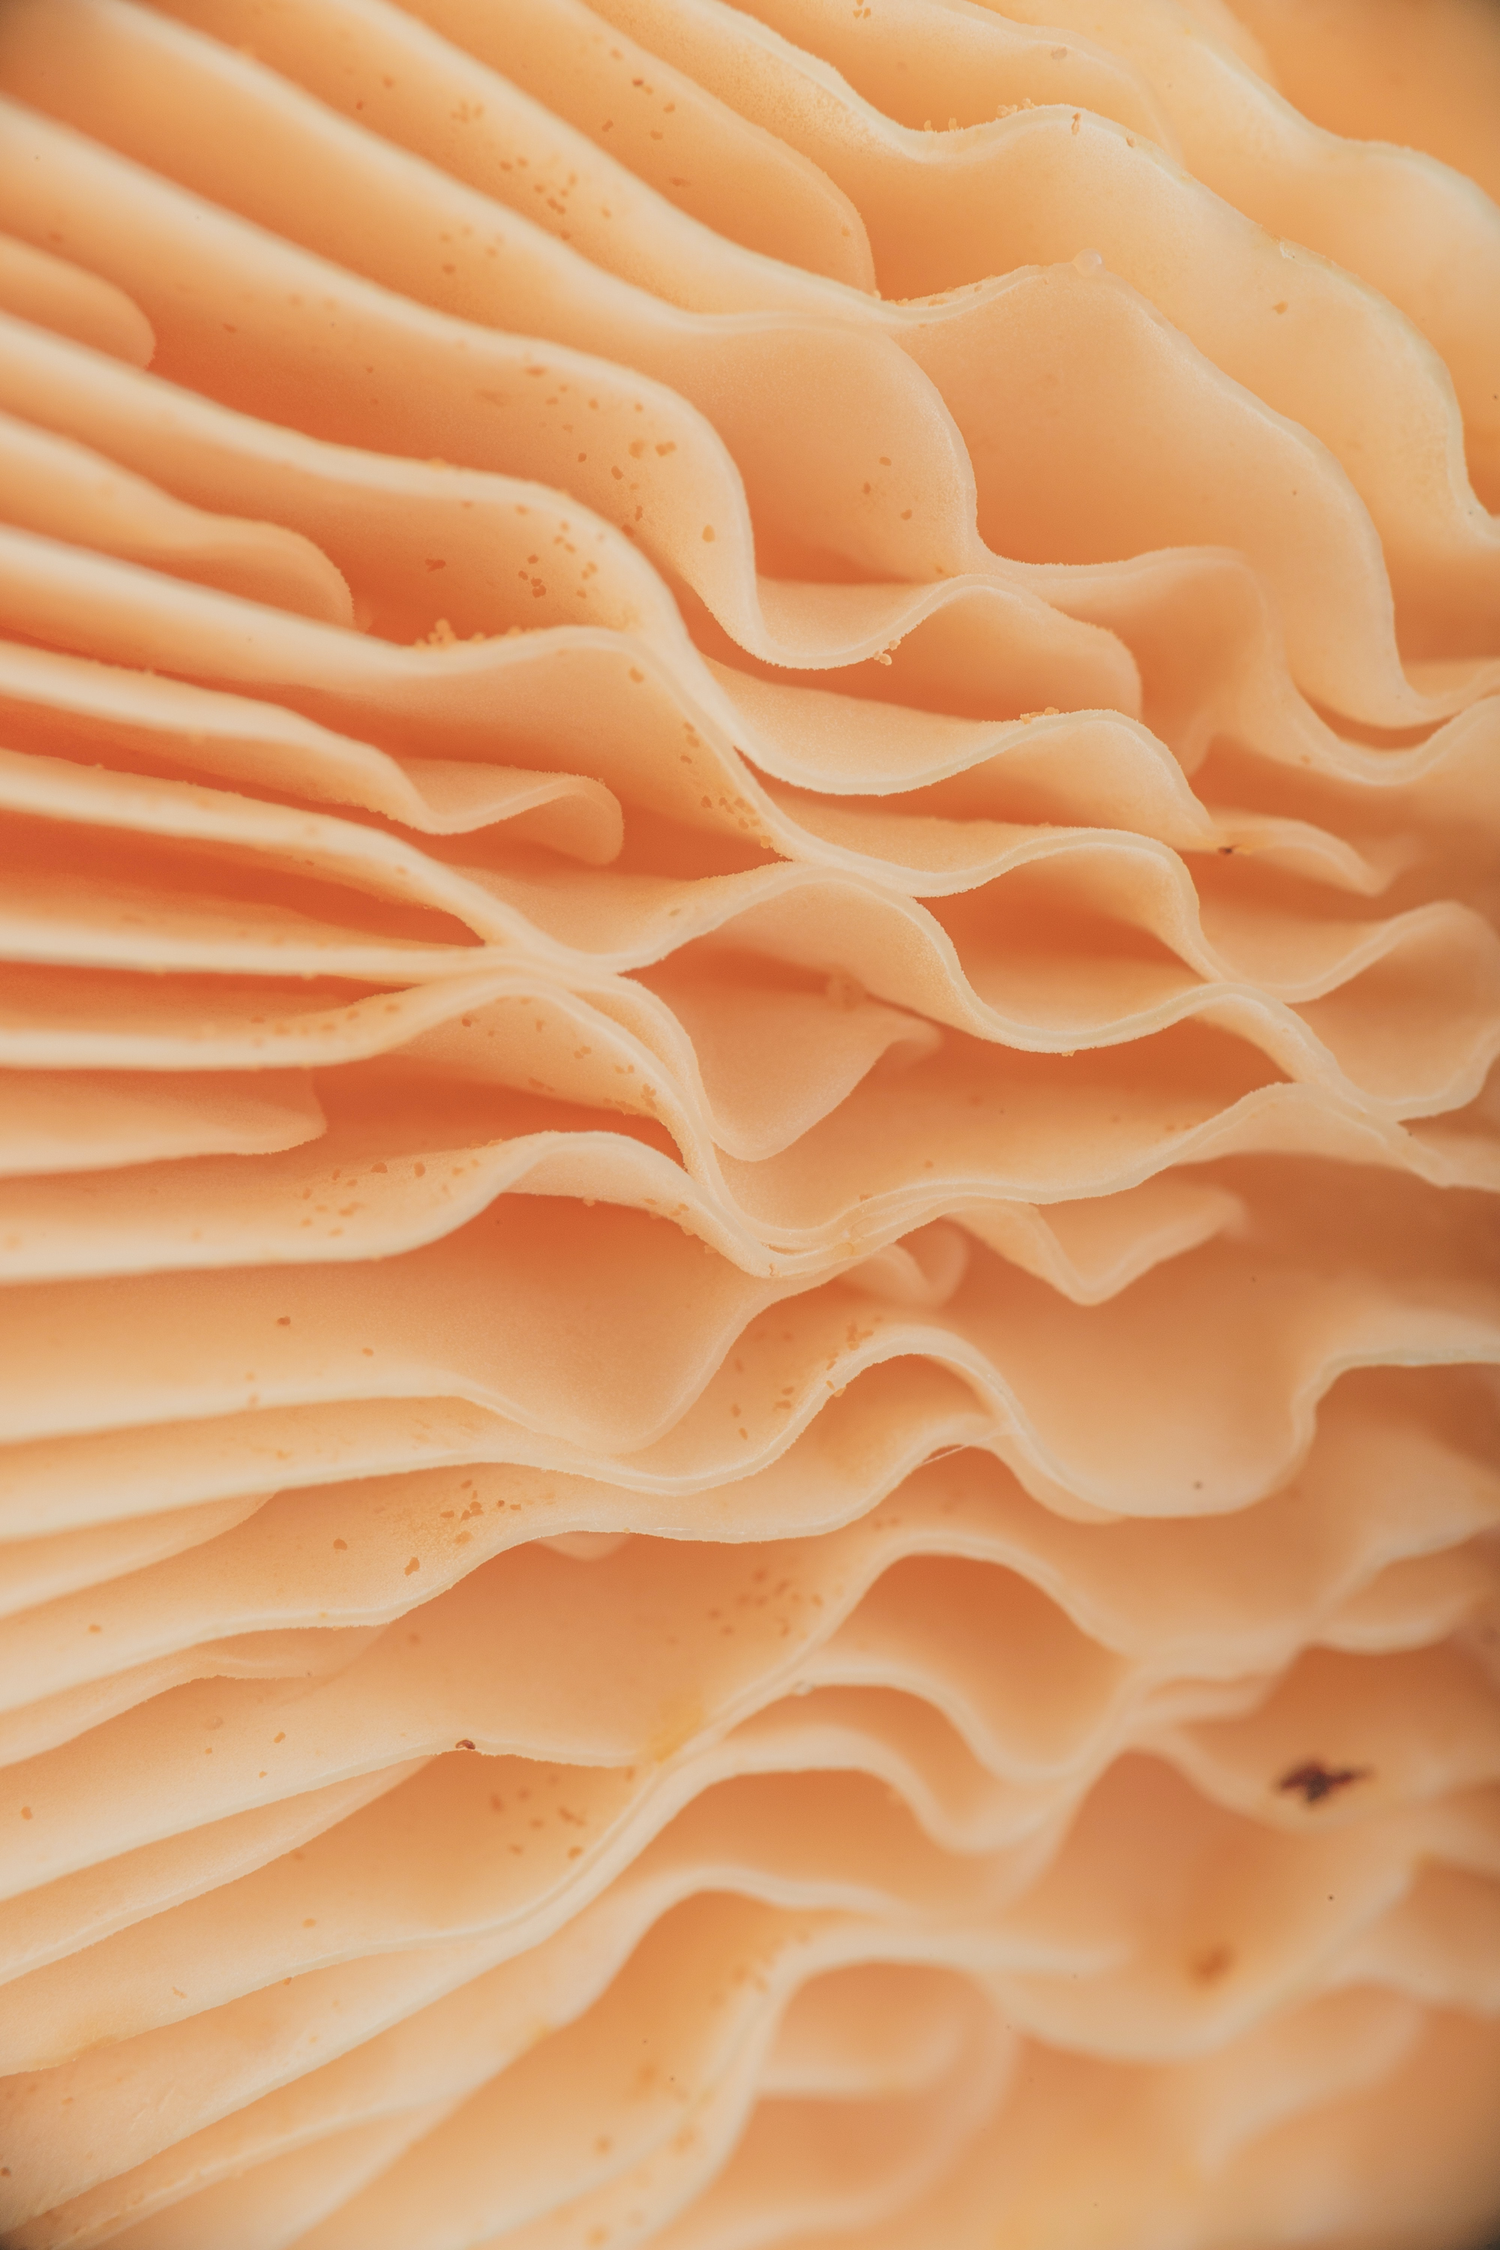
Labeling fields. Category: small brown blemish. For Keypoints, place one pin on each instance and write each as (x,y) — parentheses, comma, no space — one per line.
(463,1743)
(1314,1781)
(1213,1962)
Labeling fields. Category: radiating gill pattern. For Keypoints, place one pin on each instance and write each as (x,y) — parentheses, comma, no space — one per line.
(750,995)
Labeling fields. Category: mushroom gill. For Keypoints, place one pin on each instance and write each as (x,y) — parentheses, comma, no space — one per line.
(749,1000)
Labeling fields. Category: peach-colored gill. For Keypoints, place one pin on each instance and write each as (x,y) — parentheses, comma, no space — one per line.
(750,1000)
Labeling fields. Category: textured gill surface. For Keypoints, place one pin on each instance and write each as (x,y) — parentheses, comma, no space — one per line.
(747,1177)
